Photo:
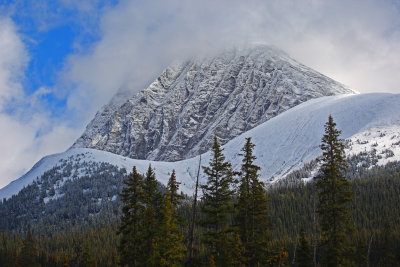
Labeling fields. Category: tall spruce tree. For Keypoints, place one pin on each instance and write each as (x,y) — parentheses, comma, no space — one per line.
(153,202)
(173,187)
(217,204)
(131,227)
(334,196)
(252,210)
(171,249)
(175,198)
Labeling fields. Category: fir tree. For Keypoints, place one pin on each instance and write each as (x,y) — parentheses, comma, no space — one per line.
(131,228)
(171,250)
(173,187)
(304,258)
(217,203)
(29,253)
(153,201)
(252,209)
(334,198)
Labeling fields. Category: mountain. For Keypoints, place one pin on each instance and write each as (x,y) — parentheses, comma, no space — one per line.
(370,123)
(176,117)
(260,93)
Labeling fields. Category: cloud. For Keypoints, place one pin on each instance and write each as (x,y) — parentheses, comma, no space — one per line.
(354,42)
(28,132)
(13,59)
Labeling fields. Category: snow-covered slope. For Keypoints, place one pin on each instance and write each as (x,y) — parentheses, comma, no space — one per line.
(284,143)
(177,116)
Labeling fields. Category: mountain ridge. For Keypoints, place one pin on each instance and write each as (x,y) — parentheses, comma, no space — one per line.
(176,117)
(283,144)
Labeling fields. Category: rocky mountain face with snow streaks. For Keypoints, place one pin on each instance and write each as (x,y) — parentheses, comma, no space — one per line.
(177,116)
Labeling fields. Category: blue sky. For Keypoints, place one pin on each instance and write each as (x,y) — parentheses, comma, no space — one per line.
(60,61)
(51,31)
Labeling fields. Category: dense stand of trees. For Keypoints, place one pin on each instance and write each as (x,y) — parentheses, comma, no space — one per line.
(238,222)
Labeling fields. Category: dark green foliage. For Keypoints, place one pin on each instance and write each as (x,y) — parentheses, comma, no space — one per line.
(252,210)
(171,250)
(303,256)
(29,252)
(90,199)
(280,258)
(376,203)
(231,250)
(334,198)
(86,258)
(173,187)
(131,228)
(152,201)
(217,203)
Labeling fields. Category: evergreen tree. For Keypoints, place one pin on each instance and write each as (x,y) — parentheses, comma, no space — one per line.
(153,202)
(131,228)
(217,204)
(252,209)
(173,187)
(304,258)
(29,253)
(171,250)
(334,198)
(175,199)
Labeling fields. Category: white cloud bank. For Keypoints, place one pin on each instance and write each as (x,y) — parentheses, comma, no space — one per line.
(26,133)
(354,42)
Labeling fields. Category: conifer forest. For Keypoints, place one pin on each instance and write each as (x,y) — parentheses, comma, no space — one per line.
(345,216)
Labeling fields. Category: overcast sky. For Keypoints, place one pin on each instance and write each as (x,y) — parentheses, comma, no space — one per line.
(60,62)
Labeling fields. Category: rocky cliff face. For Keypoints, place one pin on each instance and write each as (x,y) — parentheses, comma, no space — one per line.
(177,116)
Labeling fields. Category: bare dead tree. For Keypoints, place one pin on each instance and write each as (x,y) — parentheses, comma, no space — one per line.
(314,232)
(295,249)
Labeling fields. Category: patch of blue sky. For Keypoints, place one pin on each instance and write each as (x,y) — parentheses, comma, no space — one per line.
(51,32)
(47,56)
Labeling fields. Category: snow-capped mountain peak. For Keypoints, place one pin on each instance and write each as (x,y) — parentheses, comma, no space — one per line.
(177,115)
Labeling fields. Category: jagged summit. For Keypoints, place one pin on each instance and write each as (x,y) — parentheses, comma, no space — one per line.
(191,101)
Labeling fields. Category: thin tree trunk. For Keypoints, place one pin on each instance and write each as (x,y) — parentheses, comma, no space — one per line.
(194,213)
(295,249)
(315,233)
(369,250)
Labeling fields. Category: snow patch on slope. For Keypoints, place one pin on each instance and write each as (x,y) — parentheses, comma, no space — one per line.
(283,143)
(383,141)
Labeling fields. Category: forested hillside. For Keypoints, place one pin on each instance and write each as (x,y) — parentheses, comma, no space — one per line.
(290,208)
